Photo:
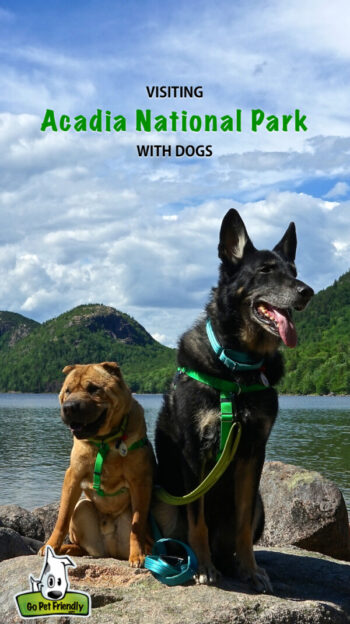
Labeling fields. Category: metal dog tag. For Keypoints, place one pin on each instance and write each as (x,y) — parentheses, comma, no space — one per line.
(264,380)
(123,449)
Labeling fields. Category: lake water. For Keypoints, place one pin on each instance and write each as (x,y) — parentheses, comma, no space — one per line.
(312,432)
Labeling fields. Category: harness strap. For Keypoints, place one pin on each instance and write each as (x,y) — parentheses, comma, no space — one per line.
(228,390)
(225,386)
(226,418)
(230,432)
(138,444)
(102,451)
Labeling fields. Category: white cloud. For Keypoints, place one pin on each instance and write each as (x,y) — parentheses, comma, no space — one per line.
(315,26)
(79,225)
(155,265)
(83,219)
(340,189)
(159,337)
(170,217)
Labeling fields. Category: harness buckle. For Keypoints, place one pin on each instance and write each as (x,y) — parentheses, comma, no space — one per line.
(226,406)
(231,364)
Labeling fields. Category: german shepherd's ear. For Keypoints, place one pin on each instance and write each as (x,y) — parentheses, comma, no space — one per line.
(234,239)
(288,244)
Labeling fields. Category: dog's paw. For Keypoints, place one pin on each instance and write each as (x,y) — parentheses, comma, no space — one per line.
(258,579)
(73,549)
(136,560)
(262,582)
(41,551)
(207,574)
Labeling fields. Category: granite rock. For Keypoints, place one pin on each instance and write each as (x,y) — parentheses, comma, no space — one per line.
(303,509)
(12,544)
(308,589)
(47,516)
(22,521)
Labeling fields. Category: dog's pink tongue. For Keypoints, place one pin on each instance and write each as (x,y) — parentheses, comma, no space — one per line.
(286,327)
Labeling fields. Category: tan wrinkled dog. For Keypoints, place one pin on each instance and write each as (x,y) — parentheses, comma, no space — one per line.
(111,521)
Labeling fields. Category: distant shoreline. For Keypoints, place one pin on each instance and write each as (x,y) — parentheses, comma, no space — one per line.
(280,394)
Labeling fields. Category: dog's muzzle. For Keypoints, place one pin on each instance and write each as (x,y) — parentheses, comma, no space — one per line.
(304,294)
(274,314)
(82,417)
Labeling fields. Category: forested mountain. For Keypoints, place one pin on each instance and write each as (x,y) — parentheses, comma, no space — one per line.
(14,327)
(32,355)
(321,362)
(88,333)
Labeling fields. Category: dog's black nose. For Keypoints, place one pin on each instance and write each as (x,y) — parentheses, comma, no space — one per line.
(303,295)
(71,406)
(71,409)
(54,594)
(304,291)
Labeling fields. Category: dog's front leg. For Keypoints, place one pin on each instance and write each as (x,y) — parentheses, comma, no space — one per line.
(71,491)
(198,539)
(140,492)
(247,475)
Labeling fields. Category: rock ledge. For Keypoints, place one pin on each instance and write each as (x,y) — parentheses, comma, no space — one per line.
(309,589)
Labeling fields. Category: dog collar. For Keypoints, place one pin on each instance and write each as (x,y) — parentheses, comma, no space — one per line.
(234,360)
(113,435)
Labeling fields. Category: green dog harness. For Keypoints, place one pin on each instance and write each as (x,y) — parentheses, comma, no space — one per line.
(103,449)
(228,390)
(230,433)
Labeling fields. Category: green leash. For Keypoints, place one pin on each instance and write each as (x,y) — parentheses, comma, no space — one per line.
(230,434)
(103,450)
(214,475)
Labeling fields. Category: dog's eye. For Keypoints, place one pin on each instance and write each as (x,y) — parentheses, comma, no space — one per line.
(267,268)
(51,580)
(91,388)
(67,391)
(59,581)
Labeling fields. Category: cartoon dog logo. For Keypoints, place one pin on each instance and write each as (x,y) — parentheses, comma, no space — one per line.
(53,582)
(50,594)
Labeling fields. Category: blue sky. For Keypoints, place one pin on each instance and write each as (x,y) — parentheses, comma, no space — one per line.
(83,219)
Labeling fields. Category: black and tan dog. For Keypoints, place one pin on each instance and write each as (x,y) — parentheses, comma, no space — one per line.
(249,312)
(105,419)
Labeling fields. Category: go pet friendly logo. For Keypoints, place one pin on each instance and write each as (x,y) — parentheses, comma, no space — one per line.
(50,593)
